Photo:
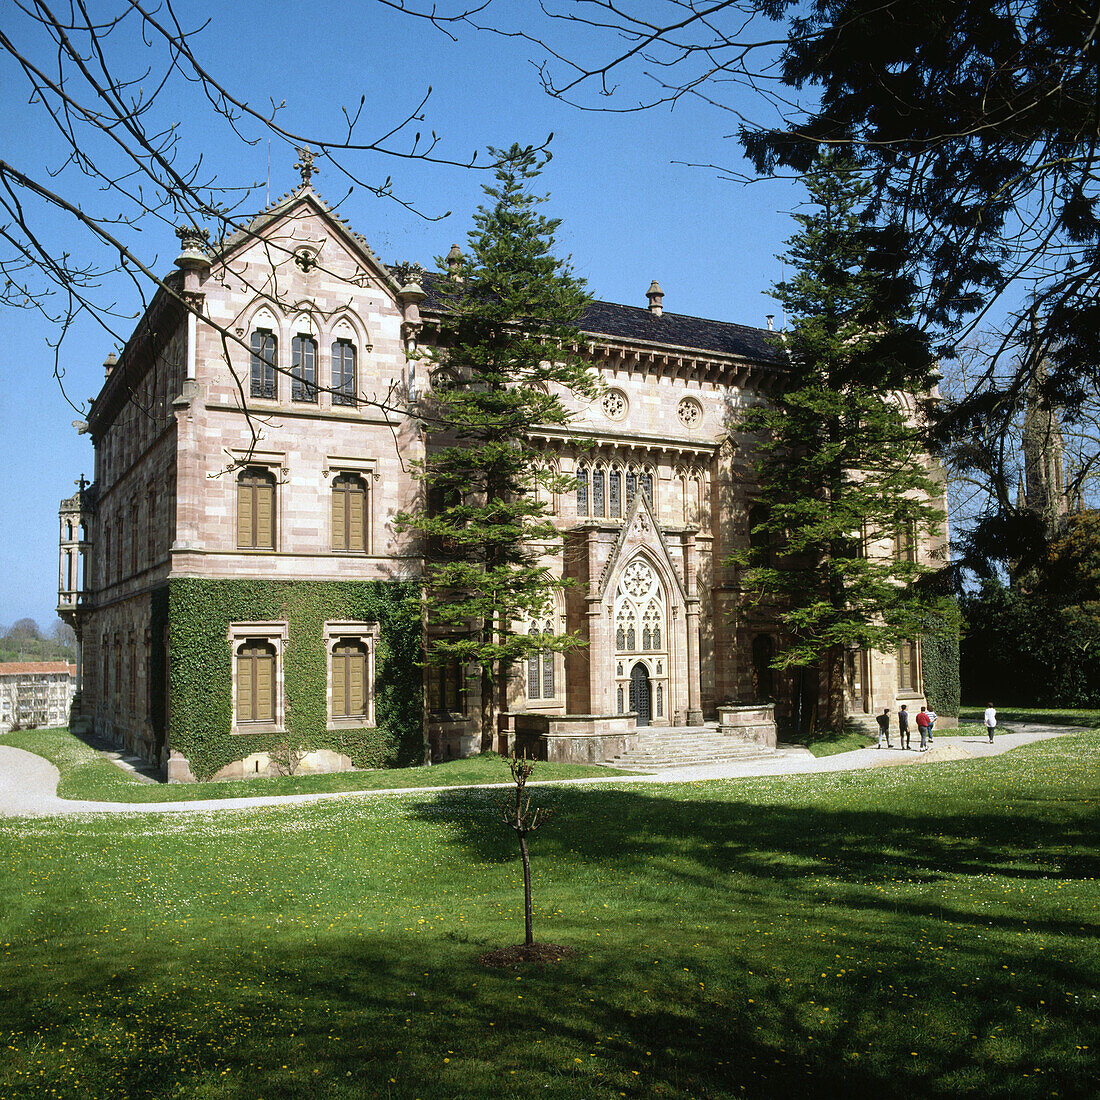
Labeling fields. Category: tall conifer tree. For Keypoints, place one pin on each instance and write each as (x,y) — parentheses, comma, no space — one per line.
(508,358)
(845,482)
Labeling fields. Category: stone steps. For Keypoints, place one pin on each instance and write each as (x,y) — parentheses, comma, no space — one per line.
(661,748)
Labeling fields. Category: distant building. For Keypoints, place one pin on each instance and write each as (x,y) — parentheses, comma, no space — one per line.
(35,694)
(236,582)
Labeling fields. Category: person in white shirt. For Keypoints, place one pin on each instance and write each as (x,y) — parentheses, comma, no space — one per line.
(990,721)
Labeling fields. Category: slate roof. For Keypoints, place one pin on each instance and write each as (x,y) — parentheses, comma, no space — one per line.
(639,324)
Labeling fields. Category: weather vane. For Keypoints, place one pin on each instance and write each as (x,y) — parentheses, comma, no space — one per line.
(305,163)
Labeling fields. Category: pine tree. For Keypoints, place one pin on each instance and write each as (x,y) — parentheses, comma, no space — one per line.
(508,360)
(845,482)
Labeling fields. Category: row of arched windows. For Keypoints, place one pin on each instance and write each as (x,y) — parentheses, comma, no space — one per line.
(610,490)
(305,368)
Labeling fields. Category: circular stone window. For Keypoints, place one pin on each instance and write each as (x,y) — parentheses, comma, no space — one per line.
(614,404)
(690,412)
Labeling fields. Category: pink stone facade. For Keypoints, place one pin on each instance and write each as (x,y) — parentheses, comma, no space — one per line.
(663,491)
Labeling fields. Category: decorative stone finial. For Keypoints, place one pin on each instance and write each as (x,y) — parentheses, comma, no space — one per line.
(656,297)
(454,259)
(109,364)
(305,164)
(196,247)
(410,275)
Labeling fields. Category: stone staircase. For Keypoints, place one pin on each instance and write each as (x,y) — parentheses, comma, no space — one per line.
(663,747)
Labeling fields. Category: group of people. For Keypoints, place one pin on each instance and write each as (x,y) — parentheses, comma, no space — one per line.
(925,720)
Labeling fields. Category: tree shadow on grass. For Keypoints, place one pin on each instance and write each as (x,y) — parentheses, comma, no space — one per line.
(416,1016)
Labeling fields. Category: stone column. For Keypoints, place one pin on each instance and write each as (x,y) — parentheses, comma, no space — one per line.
(694,712)
(597,673)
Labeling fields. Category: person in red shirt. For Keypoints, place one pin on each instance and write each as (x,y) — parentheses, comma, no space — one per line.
(923,722)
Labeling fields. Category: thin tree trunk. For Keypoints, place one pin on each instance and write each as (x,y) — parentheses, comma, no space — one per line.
(529,937)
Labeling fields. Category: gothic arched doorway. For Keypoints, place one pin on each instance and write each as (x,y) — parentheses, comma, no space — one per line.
(639,693)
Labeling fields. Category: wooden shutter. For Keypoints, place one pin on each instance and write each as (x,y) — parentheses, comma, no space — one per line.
(265,515)
(244,513)
(357,682)
(339,684)
(244,688)
(339,516)
(357,496)
(265,687)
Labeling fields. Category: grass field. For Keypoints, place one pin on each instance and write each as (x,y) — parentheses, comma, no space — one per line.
(86,774)
(926,931)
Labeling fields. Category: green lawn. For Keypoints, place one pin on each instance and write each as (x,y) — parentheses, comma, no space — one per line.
(928,931)
(85,774)
(1055,717)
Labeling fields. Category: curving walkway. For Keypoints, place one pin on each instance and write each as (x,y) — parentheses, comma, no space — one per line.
(28,783)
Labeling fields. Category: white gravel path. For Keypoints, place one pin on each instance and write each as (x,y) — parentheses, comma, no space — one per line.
(28,783)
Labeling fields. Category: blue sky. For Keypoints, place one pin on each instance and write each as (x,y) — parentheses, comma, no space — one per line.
(632,209)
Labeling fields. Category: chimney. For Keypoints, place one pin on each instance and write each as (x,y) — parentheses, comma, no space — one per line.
(109,365)
(770,318)
(656,296)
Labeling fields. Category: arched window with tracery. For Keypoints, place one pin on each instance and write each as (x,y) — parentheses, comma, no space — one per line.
(639,609)
(540,664)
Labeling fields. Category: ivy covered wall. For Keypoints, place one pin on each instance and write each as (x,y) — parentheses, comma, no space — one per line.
(940,658)
(200,706)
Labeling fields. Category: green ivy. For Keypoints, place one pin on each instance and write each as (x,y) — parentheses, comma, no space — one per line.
(200,708)
(940,659)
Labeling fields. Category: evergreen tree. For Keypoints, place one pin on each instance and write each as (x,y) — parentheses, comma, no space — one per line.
(509,358)
(844,477)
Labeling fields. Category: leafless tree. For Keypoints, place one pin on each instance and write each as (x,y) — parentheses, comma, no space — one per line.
(977,121)
(123,87)
(517,814)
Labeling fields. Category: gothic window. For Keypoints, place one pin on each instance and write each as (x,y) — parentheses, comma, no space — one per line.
(303,369)
(631,639)
(620,699)
(256,509)
(647,487)
(620,638)
(540,665)
(344,387)
(631,486)
(349,514)
(660,700)
(135,512)
(613,481)
(582,490)
(151,524)
(264,351)
(651,628)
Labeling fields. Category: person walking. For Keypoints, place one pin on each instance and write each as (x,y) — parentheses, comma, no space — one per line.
(932,716)
(922,725)
(990,721)
(903,726)
(884,728)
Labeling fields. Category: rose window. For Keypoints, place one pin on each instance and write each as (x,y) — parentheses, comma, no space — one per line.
(637,578)
(614,404)
(691,413)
